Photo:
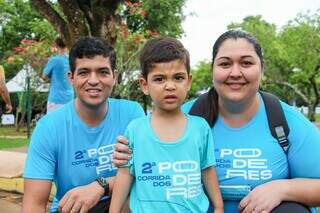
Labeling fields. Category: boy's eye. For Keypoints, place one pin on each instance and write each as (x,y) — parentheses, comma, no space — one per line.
(158,79)
(179,78)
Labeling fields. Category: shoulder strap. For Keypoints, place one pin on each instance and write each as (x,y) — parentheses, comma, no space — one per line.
(276,119)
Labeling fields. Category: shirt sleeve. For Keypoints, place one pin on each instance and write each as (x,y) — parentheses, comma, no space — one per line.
(304,150)
(49,67)
(207,156)
(41,160)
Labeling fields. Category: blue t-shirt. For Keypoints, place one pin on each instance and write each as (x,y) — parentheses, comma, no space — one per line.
(167,175)
(249,156)
(57,70)
(67,151)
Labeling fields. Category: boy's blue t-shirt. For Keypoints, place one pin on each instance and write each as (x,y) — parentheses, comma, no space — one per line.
(67,151)
(167,175)
(57,70)
(249,156)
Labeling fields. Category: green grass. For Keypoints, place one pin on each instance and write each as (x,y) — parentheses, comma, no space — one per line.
(11,131)
(7,143)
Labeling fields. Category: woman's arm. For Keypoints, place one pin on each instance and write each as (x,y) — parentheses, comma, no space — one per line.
(269,195)
(121,190)
(211,184)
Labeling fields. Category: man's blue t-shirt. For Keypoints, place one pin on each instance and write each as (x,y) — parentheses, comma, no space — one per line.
(168,174)
(67,151)
(249,156)
(57,70)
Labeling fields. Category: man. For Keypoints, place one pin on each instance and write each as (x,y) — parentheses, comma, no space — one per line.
(73,146)
(56,71)
(4,91)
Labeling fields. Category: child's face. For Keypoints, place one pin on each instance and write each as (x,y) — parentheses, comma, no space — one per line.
(167,84)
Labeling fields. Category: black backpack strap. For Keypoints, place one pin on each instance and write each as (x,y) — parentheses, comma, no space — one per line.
(276,119)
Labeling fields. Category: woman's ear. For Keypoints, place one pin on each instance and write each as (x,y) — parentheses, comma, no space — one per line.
(143,85)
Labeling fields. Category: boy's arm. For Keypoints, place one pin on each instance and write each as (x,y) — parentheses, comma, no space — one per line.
(211,184)
(121,190)
(36,195)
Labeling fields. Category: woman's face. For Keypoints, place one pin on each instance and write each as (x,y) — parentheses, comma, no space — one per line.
(237,71)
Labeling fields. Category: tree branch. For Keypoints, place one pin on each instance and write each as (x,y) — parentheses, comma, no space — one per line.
(46,10)
(294,88)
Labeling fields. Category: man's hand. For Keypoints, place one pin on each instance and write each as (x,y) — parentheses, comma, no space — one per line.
(81,199)
(121,154)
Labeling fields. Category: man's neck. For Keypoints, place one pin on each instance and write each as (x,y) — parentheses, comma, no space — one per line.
(92,116)
(62,51)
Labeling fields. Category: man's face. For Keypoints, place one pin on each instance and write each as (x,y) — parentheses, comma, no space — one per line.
(93,80)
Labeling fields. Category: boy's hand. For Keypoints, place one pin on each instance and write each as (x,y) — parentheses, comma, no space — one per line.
(121,154)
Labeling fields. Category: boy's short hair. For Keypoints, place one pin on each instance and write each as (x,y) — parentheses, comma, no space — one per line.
(89,47)
(59,42)
(162,49)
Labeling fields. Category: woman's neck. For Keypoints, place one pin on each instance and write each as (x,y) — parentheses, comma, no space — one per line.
(236,114)
(92,116)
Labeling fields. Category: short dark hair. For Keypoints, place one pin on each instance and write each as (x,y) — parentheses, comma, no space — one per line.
(89,47)
(235,34)
(59,42)
(162,49)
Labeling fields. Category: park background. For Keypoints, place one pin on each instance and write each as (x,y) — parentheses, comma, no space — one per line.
(289,32)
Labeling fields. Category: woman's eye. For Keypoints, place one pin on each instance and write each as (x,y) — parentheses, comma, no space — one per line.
(247,63)
(224,64)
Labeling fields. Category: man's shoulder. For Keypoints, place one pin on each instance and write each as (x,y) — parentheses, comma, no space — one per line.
(59,115)
(123,103)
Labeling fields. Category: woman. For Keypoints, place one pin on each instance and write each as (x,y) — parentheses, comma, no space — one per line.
(254,173)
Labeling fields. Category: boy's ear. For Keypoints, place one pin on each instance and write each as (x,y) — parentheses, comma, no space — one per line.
(189,81)
(143,85)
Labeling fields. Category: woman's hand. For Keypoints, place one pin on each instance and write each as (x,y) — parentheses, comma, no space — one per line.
(263,198)
(121,154)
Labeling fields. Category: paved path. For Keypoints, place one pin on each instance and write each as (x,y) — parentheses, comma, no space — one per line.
(9,207)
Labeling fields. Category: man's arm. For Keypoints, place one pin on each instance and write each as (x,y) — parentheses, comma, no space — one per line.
(36,195)
(45,77)
(82,198)
(5,95)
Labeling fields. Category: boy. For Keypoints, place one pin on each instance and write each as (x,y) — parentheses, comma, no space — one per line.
(173,153)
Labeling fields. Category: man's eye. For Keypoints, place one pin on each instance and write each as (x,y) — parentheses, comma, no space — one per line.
(105,72)
(82,73)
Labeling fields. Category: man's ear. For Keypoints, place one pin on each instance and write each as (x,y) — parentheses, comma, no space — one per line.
(116,76)
(143,85)
(70,77)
